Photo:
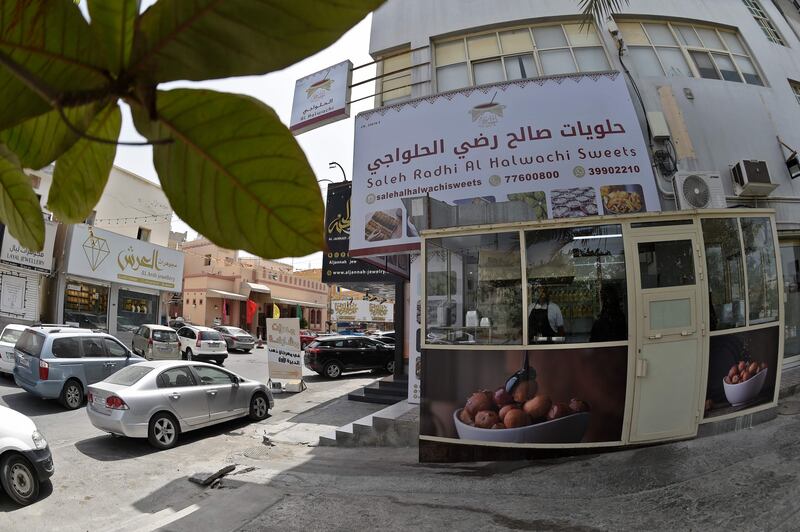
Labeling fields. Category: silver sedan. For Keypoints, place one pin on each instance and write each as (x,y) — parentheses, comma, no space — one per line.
(160,399)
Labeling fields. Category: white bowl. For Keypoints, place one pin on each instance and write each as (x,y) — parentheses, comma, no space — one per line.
(744,392)
(567,429)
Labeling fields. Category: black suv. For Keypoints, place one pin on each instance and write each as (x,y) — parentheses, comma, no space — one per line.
(333,355)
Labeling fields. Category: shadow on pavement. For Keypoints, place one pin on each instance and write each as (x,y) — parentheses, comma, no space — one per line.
(108,448)
(32,406)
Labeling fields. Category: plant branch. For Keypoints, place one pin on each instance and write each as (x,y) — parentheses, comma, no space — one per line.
(75,129)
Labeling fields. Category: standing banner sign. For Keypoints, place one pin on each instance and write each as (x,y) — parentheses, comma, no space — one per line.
(560,147)
(284,356)
(321,98)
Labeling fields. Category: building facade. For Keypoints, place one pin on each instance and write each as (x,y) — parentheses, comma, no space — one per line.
(715,83)
(219,285)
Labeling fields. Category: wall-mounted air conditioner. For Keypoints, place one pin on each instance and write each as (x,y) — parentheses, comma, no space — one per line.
(699,190)
(751,178)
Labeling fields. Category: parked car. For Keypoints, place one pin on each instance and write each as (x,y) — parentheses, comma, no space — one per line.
(25,459)
(332,356)
(306,337)
(156,342)
(160,400)
(387,337)
(236,339)
(8,338)
(177,323)
(60,363)
(202,343)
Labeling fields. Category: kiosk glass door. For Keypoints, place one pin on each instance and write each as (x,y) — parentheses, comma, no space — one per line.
(670,329)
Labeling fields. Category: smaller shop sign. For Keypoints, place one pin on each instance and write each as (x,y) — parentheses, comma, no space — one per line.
(362,310)
(15,254)
(99,254)
(321,98)
(284,356)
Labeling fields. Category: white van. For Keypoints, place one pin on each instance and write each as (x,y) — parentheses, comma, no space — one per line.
(25,459)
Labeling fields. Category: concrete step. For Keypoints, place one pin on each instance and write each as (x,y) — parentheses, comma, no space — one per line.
(394,426)
(365,397)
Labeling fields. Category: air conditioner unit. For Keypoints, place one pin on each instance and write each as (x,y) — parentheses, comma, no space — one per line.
(699,190)
(751,178)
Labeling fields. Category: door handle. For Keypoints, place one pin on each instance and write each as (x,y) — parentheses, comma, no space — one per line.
(211,392)
(655,336)
(641,367)
(110,364)
(687,333)
(175,396)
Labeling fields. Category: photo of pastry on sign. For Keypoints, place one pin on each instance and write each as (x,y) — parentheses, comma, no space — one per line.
(622,199)
(384,225)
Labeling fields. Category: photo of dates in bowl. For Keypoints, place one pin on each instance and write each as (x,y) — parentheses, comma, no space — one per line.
(521,415)
(744,381)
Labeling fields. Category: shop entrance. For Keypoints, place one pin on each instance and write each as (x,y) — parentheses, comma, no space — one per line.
(670,329)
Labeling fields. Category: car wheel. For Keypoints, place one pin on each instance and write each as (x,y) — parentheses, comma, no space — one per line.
(19,479)
(189,355)
(259,407)
(163,430)
(72,395)
(390,366)
(332,370)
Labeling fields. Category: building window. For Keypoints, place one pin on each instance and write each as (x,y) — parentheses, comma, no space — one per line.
(764,21)
(206,260)
(143,234)
(395,82)
(683,50)
(795,89)
(518,54)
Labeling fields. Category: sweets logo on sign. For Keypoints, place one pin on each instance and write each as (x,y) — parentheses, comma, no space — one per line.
(345,310)
(378,311)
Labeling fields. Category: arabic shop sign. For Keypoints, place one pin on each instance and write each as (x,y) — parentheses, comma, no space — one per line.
(13,253)
(337,265)
(284,357)
(362,310)
(559,147)
(321,98)
(100,254)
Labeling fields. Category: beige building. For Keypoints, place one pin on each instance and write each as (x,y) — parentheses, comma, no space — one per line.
(218,284)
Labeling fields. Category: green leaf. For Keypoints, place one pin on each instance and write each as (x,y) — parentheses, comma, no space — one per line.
(209,39)
(113,25)
(39,141)
(51,42)
(82,172)
(19,206)
(235,173)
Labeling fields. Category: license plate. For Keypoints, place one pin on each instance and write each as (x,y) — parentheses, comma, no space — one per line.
(100,401)
(23,361)
(213,344)
(164,348)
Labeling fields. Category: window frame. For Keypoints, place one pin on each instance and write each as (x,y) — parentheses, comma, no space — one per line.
(469,63)
(100,339)
(764,22)
(686,49)
(795,87)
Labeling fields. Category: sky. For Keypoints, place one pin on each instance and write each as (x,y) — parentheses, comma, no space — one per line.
(333,142)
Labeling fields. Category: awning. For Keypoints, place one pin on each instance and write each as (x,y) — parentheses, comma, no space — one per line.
(225,295)
(255,287)
(295,302)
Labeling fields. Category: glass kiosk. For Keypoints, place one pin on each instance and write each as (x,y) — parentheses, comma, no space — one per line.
(597,332)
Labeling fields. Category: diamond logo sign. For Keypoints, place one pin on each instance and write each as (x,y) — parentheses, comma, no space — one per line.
(96,250)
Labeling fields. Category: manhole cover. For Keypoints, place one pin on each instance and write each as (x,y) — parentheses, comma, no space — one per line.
(789,408)
(257,453)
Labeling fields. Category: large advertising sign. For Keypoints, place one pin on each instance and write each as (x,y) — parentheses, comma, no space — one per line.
(100,254)
(321,98)
(284,356)
(362,310)
(15,254)
(558,147)
(337,265)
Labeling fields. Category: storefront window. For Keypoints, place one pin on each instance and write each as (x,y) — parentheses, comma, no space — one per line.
(762,272)
(135,309)
(576,285)
(476,290)
(790,258)
(86,305)
(666,264)
(725,273)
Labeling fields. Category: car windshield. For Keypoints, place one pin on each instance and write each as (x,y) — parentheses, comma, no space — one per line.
(128,376)
(165,336)
(210,335)
(11,336)
(30,343)
(237,331)
(315,343)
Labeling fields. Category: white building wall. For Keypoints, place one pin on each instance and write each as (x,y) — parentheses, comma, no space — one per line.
(726,121)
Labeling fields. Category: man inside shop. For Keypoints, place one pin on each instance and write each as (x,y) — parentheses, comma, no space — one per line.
(545,320)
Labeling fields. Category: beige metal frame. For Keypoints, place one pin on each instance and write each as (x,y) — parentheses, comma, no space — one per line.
(628,233)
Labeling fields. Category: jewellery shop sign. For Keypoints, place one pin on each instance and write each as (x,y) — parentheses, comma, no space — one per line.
(107,256)
(560,147)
